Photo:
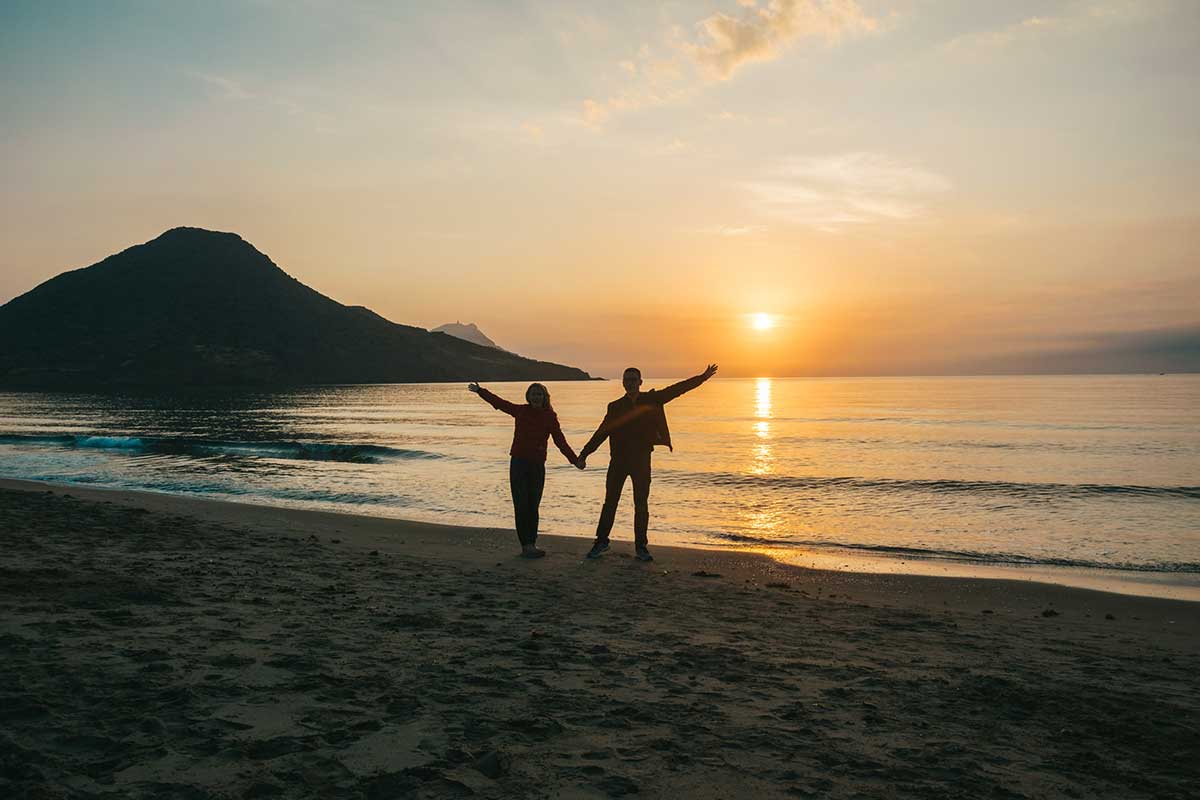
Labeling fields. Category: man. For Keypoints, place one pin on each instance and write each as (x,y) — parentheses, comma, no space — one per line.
(633,425)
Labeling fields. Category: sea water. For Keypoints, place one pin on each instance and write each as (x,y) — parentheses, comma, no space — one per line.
(1071,472)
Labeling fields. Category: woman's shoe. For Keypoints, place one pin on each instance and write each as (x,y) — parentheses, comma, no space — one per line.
(529,551)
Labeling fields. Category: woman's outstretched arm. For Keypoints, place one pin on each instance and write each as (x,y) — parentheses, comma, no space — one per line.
(495,401)
(560,441)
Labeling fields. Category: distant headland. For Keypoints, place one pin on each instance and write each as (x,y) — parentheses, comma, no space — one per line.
(202,308)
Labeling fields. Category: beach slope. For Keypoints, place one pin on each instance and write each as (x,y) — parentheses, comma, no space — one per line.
(156,646)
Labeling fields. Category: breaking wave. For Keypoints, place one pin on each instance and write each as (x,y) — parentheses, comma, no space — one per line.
(304,451)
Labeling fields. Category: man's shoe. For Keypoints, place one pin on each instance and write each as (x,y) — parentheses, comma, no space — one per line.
(643,554)
(598,547)
(529,551)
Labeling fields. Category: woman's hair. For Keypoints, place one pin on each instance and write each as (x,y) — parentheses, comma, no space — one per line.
(545,391)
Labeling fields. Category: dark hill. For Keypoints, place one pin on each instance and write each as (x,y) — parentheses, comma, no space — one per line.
(196,307)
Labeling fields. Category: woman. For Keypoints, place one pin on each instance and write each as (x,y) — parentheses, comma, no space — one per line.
(536,421)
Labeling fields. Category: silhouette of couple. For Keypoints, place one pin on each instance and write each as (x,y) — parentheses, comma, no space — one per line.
(633,425)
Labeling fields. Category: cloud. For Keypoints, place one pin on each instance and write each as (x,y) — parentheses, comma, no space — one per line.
(452,236)
(761,34)
(674,147)
(852,188)
(580,29)
(1075,19)
(534,132)
(682,66)
(729,230)
(594,114)
(290,106)
(226,88)
(728,116)
(294,101)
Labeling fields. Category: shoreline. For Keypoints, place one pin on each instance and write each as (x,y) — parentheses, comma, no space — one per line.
(165,646)
(1183,587)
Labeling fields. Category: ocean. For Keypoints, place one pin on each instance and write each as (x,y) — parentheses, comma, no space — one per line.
(1098,474)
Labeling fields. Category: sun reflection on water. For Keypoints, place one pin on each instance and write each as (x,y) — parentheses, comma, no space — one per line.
(762,398)
(763,460)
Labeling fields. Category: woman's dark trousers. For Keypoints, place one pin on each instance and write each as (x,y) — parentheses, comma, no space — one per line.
(527,479)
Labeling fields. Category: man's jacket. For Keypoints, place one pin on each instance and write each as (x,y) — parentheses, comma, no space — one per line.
(634,429)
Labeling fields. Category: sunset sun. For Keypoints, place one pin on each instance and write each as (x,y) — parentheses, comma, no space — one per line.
(762,321)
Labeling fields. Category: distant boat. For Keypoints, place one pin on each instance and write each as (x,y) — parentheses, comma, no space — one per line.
(196,308)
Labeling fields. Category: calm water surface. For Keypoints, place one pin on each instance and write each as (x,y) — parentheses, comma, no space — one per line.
(1077,471)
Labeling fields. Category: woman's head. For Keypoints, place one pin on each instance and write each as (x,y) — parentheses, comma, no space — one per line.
(537,396)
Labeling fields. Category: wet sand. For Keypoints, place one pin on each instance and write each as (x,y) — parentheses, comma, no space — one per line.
(158,646)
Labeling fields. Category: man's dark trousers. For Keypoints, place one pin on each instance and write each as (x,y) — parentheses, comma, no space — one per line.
(635,466)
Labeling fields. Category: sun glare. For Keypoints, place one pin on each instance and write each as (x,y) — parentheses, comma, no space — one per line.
(761,321)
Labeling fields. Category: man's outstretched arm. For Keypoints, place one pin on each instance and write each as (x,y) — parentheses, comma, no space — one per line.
(597,439)
(675,389)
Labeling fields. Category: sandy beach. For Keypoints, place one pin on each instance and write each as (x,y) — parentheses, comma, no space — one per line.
(158,646)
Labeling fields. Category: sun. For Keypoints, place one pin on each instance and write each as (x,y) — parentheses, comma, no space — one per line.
(761,321)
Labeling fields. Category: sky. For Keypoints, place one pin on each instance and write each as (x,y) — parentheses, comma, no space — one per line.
(907,187)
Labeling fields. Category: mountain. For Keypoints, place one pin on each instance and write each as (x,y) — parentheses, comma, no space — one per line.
(468,332)
(196,307)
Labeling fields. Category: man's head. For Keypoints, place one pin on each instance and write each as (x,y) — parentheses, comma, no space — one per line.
(631,379)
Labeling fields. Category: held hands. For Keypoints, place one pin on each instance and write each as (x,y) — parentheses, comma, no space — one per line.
(581,463)
(473,386)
